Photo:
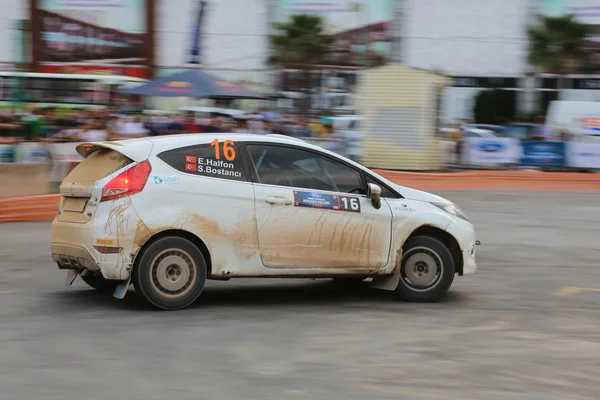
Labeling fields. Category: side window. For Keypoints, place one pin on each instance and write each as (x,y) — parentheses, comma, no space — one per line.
(385,191)
(285,166)
(215,160)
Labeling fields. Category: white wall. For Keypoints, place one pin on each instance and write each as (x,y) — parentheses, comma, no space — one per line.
(234,37)
(580,95)
(466,37)
(11,10)
(458,103)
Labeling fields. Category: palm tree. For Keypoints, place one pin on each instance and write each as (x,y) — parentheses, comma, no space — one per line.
(556,44)
(300,43)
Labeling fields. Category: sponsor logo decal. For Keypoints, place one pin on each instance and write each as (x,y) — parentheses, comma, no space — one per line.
(158,180)
(405,208)
(491,146)
(105,242)
(176,84)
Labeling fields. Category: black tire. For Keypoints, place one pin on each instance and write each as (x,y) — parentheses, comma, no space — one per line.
(98,282)
(429,264)
(170,273)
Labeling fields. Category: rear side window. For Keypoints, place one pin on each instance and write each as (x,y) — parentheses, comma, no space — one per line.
(98,165)
(215,160)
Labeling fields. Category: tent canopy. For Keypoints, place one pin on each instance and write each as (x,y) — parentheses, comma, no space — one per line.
(193,83)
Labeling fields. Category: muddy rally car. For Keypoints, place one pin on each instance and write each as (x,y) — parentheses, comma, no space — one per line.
(167,213)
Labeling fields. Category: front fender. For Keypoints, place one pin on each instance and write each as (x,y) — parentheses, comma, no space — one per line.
(407,217)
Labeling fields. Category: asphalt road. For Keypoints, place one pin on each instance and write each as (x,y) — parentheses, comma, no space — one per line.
(526,326)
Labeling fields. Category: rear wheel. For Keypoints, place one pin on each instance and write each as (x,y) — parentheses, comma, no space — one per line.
(426,271)
(170,274)
(98,282)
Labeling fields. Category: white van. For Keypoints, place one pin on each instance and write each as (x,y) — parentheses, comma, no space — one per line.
(578,118)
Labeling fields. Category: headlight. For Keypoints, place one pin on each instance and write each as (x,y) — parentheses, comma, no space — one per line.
(452,209)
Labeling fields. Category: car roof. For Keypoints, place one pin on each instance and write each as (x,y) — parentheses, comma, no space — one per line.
(140,148)
(189,139)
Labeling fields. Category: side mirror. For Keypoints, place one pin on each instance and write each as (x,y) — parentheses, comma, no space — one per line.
(374,193)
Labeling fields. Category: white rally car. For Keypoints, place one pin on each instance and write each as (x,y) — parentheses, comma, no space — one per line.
(167,213)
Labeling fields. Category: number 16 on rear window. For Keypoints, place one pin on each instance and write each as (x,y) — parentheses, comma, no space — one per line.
(228,150)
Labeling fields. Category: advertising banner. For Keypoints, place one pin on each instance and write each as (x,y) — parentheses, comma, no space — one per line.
(583,155)
(7,153)
(492,150)
(543,154)
(362,30)
(93,31)
(126,70)
(217,34)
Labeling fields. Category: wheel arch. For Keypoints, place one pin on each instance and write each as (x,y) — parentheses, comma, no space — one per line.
(196,241)
(444,237)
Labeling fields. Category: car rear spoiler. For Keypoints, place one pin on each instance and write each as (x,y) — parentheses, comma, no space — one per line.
(137,150)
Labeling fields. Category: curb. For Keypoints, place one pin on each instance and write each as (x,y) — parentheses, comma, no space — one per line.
(45,207)
(29,208)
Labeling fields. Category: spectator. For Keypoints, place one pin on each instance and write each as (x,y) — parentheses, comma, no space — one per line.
(242,126)
(131,128)
(541,131)
(94,132)
(35,125)
(190,126)
(255,125)
(302,128)
(267,128)
(215,126)
(10,131)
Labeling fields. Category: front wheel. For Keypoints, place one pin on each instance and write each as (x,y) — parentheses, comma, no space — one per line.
(426,270)
(170,274)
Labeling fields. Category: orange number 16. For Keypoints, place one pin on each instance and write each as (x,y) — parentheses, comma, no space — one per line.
(228,150)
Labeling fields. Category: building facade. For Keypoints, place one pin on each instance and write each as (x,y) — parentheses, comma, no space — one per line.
(478,44)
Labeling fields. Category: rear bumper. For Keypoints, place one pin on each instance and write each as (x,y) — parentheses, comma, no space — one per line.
(73,243)
(68,256)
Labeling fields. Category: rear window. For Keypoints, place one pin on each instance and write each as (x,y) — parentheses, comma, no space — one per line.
(98,165)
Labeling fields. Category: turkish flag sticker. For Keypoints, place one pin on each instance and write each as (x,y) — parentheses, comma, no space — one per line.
(191,159)
(190,167)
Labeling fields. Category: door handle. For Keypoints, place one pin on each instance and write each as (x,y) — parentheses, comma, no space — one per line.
(278,200)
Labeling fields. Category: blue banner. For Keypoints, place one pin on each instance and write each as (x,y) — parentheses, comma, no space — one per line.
(543,154)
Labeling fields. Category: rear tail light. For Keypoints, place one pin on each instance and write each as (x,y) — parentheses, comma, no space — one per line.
(127,183)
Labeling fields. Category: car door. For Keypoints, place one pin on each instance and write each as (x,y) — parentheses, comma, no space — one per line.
(312,211)
(204,190)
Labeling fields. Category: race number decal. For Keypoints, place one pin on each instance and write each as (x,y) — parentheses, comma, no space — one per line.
(218,161)
(326,201)
(349,203)
(228,150)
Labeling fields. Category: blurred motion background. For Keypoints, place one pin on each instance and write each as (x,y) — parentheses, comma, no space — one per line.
(418,85)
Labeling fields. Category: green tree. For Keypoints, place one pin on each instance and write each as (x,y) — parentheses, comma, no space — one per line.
(300,43)
(556,44)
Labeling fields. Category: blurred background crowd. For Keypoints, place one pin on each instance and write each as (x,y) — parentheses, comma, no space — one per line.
(490,87)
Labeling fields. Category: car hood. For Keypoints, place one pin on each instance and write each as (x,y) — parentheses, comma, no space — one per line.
(419,195)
